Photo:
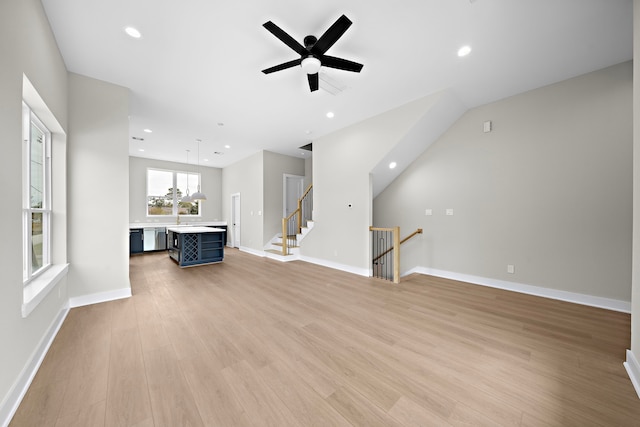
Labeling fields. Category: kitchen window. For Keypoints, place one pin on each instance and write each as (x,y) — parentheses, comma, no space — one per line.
(166,189)
(36,195)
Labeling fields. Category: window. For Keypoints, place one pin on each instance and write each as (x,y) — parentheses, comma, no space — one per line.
(36,195)
(165,190)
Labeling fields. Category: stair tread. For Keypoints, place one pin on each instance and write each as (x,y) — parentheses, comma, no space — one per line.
(280,244)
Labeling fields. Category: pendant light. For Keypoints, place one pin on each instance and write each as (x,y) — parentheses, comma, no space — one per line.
(187,198)
(199,195)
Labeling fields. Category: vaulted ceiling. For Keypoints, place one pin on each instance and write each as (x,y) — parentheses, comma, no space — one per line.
(196,71)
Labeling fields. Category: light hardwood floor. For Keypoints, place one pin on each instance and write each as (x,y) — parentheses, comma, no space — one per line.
(255,342)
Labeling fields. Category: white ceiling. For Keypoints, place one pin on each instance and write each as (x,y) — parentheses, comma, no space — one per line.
(196,71)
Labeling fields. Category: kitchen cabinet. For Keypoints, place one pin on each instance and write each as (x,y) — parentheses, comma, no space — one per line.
(136,241)
(224,233)
(190,246)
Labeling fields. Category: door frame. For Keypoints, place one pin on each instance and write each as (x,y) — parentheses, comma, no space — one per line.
(233,222)
(285,189)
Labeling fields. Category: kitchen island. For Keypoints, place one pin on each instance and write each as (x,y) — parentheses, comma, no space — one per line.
(193,245)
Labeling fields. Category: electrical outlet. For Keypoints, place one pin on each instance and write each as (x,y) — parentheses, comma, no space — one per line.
(428,212)
(511,269)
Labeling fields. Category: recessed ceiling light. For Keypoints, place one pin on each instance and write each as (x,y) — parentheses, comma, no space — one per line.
(330,115)
(141,149)
(392,165)
(148,130)
(227,146)
(133,32)
(205,160)
(464,51)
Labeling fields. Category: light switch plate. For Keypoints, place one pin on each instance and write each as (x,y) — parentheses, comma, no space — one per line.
(428,212)
(511,269)
(449,212)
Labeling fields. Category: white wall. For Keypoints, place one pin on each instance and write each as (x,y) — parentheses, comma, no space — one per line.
(26,46)
(211,186)
(275,166)
(342,163)
(245,177)
(98,188)
(549,190)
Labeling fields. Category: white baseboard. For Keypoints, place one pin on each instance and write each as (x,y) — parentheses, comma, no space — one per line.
(252,251)
(10,405)
(633,370)
(99,297)
(590,300)
(336,266)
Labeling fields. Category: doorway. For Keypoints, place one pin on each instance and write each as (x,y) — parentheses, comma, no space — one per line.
(293,187)
(235,220)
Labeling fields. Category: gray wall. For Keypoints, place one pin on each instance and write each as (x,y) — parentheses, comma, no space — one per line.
(258,179)
(342,163)
(211,187)
(26,46)
(245,177)
(548,190)
(98,173)
(275,166)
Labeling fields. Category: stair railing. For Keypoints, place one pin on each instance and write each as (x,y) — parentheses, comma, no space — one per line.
(289,231)
(292,225)
(305,208)
(384,257)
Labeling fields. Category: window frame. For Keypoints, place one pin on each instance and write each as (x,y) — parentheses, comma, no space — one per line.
(174,200)
(29,119)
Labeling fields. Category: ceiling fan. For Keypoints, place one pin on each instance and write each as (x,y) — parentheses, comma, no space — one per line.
(312,54)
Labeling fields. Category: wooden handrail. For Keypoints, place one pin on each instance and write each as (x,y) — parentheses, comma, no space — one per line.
(306,191)
(418,231)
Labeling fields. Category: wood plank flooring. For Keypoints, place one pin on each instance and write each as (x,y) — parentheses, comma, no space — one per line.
(255,342)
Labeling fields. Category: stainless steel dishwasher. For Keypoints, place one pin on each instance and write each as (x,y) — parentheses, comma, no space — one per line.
(155,239)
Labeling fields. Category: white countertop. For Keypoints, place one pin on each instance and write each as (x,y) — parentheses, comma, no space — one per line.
(194,229)
(183,223)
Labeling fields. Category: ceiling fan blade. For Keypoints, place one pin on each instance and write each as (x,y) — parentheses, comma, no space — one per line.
(284,37)
(313,81)
(341,64)
(282,66)
(331,35)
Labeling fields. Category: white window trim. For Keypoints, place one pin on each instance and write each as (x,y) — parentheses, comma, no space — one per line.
(29,116)
(39,287)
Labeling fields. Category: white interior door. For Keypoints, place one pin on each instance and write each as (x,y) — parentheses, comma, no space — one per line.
(293,188)
(235,220)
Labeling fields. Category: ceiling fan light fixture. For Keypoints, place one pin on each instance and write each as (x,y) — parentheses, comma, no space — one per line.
(310,65)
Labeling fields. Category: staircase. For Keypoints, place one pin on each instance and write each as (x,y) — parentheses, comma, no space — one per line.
(286,245)
(273,249)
